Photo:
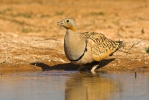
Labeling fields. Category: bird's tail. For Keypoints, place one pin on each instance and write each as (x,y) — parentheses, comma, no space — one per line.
(120,44)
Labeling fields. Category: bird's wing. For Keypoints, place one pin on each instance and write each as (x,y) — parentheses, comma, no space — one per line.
(101,47)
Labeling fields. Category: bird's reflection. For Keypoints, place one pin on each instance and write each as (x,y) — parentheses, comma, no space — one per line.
(88,86)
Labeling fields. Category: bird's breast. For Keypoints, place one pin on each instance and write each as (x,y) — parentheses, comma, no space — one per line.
(74,46)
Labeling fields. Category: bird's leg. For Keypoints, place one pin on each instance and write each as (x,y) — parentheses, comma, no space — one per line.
(81,67)
(93,68)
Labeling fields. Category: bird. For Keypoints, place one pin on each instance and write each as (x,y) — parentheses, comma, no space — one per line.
(82,48)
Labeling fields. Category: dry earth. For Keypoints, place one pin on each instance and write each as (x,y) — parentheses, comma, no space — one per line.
(31,40)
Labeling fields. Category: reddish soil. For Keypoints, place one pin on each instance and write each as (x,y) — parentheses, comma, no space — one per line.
(31,40)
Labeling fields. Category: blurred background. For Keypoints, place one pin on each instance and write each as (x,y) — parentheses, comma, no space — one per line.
(114,18)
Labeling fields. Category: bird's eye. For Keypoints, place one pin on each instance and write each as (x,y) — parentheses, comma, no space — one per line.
(67,21)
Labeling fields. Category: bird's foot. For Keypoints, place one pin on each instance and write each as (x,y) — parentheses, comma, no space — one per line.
(93,68)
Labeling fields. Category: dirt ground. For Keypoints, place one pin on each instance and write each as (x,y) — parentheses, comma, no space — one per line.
(31,40)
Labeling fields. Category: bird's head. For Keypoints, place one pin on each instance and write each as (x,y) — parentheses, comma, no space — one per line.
(68,23)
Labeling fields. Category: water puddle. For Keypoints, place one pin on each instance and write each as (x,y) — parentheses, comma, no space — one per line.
(71,85)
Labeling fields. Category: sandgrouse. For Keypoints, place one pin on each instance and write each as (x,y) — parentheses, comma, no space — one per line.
(86,47)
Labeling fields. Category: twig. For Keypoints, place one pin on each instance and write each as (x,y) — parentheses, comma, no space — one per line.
(135,74)
(134,45)
(127,50)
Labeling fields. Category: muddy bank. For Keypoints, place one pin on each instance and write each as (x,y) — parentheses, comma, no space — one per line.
(40,53)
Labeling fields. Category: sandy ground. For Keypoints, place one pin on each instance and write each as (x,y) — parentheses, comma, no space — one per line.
(31,40)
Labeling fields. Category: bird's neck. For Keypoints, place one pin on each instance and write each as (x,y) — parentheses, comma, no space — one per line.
(72,28)
(71,34)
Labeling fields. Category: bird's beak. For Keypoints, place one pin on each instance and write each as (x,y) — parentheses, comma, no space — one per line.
(60,23)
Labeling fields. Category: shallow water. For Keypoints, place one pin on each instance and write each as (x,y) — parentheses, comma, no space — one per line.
(69,85)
